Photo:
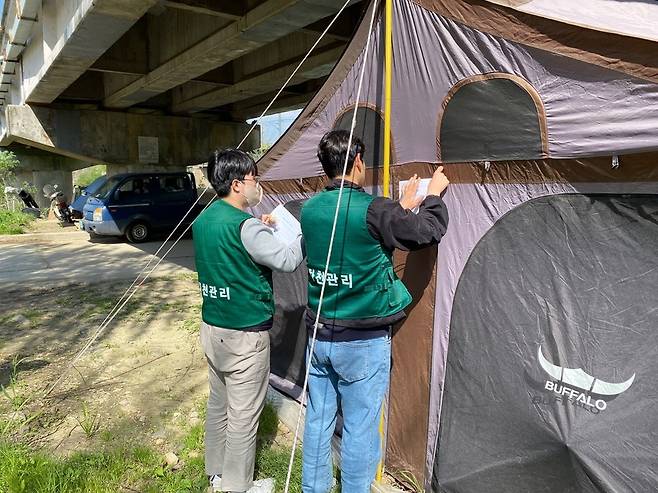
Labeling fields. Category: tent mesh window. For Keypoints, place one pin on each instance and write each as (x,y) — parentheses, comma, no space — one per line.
(369,128)
(494,119)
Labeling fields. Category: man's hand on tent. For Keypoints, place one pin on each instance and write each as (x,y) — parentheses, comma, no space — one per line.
(409,199)
(439,182)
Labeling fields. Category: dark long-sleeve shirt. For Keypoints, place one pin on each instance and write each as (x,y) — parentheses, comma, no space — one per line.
(394,227)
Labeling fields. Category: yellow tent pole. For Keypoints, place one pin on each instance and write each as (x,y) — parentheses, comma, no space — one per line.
(380,466)
(388,74)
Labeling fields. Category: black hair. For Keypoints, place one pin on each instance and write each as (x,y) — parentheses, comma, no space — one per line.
(227,165)
(332,150)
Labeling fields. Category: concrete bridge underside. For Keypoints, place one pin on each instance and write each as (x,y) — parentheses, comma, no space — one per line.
(152,84)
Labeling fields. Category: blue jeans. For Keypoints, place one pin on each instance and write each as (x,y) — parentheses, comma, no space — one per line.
(356,375)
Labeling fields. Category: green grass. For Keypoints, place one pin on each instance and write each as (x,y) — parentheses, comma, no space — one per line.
(90,422)
(272,460)
(410,481)
(14,223)
(87,175)
(192,322)
(186,276)
(273,463)
(24,470)
(268,423)
(137,468)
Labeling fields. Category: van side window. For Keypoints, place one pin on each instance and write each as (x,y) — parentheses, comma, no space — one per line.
(176,183)
(136,188)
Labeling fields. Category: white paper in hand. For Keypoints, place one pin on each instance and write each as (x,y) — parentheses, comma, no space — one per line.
(286,228)
(423,185)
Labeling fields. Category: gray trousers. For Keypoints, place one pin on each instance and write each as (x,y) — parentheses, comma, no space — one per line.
(238,370)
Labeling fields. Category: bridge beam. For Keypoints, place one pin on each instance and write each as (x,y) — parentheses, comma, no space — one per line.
(265,23)
(122,138)
(315,67)
(69,37)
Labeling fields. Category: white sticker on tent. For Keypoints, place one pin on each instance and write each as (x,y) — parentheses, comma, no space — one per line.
(423,185)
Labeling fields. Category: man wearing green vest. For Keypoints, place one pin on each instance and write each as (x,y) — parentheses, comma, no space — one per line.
(235,254)
(362,299)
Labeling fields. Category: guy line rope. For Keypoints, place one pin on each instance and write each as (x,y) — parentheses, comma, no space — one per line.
(331,245)
(134,286)
(125,297)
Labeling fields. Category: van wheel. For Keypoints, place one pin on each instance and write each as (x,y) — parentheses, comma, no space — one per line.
(137,232)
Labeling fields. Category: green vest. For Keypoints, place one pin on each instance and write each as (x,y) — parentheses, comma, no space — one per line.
(236,291)
(360,282)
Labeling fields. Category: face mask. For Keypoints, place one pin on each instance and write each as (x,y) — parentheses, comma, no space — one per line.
(253,195)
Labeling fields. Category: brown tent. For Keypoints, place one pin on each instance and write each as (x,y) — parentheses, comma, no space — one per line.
(528,359)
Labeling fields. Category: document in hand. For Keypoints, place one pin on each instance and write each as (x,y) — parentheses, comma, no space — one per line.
(286,228)
(423,184)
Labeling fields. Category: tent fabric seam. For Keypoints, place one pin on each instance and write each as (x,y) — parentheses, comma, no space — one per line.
(519,27)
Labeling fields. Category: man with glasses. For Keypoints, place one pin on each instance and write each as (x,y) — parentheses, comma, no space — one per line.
(235,256)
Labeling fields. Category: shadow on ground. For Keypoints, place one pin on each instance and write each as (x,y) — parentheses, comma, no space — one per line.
(145,368)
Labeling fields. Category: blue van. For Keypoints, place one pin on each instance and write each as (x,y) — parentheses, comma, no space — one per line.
(78,205)
(136,205)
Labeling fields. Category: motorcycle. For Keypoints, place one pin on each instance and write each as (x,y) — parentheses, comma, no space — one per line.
(58,204)
(31,206)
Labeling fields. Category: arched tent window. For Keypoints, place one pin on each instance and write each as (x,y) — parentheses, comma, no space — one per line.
(370,129)
(492,117)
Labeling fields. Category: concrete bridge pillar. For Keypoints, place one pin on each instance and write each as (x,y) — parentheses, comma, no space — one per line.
(47,169)
(63,179)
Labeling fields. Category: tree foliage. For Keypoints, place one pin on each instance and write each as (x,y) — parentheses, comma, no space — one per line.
(8,164)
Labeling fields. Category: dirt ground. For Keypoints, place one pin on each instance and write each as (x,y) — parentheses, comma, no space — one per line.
(49,225)
(141,381)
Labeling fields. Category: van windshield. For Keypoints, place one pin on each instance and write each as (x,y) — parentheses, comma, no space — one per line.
(105,189)
(93,187)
